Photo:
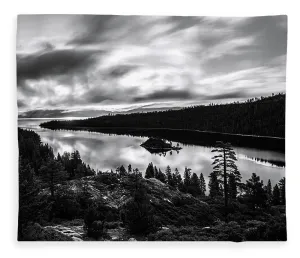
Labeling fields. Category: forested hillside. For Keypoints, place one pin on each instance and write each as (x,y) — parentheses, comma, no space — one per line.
(263,116)
(61,198)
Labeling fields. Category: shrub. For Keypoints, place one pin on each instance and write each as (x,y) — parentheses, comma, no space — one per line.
(181,221)
(112,225)
(107,179)
(228,232)
(94,219)
(179,201)
(137,213)
(96,229)
(252,234)
(66,207)
(162,235)
(276,229)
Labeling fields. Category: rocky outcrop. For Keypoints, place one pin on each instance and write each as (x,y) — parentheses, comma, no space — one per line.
(76,233)
(169,205)
(36,232)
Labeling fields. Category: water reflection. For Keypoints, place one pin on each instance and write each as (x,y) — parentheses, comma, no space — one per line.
(105,152)
(266,162)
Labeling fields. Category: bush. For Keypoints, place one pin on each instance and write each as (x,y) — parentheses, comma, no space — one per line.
(228,232)
(107,179)
(162,235)
(94,219)
(181,234)
(112,225)
(96,229)
(276,229)
(179,201)
(252,234)
(137,214)
(66,207)
(181,221)
(138,219)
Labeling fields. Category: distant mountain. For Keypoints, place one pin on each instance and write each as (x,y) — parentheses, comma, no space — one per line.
(263,116)
(62,113)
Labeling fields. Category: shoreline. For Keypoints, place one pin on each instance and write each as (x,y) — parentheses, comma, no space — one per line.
(85,128)
(189,136)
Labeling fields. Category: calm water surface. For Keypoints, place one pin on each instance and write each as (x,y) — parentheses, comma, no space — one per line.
(105,152)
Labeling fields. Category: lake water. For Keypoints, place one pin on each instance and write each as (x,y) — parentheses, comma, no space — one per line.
(104,152)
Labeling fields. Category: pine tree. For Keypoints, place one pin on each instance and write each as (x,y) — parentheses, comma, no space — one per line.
(129,169)
(174,180)
(194,187)
(255,191)
(177,177)
(214,185)
(187,177)
(224,164)
(232,187)
(155,172)
(138,213)
(276,195)
(75,161)
(52,173)
(169,176)
(66,161)
(118,171)
(149,171)
(29,205)
(282,190)
(137,177)
(123,171)
(202,185)
(161,176)
(269,191)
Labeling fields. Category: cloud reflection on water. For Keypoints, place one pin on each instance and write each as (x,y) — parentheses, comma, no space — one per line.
(105,152)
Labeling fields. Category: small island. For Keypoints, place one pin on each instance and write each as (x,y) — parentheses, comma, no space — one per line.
(156,145)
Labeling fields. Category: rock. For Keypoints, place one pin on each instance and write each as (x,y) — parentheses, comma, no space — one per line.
(76,239)
(116,234)
(36,232)
(75,231)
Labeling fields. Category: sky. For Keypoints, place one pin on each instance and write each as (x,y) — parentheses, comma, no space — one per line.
(74,63)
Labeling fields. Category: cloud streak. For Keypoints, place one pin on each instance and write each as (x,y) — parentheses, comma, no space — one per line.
(86,61)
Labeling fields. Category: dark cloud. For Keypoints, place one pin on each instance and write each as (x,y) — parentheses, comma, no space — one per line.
(52,63)
(94,28)
(271,35)
(230,95)
(121,70)
(61,113)
(166,94)
(21,103)
(101,29)
(47,46)
(94,98)
(103,60)
(103,95)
